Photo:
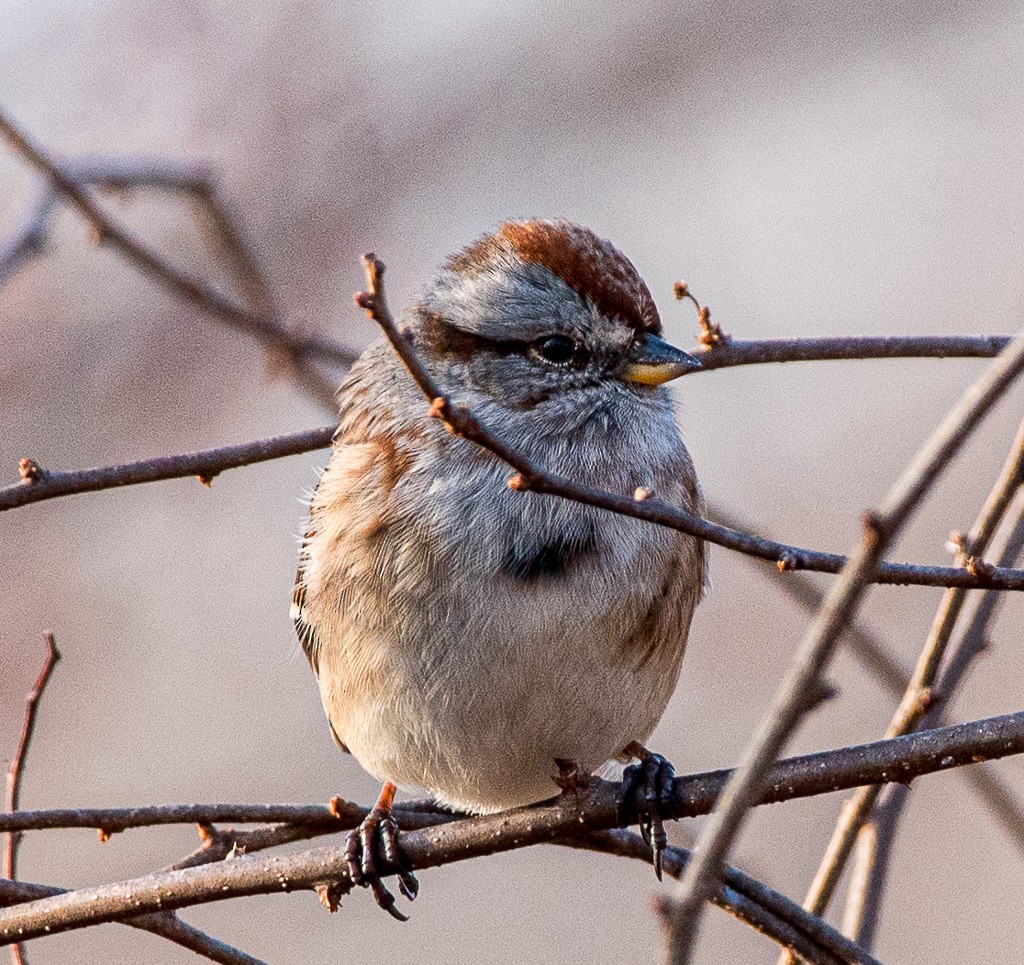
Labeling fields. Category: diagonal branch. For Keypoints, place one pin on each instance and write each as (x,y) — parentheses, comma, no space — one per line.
(38,484)
(749,900)
(841,603)
(179,283)
(919,696)
(877,658)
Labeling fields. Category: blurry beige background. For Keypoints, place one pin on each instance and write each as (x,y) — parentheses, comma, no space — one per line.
(809,168)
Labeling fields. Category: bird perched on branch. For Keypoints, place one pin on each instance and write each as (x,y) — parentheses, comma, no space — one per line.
(467,637)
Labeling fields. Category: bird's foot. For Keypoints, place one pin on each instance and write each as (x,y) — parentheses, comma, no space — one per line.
(377,837)
(572,779)
(646,788)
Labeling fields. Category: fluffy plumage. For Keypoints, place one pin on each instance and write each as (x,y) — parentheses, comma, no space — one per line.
(465,636)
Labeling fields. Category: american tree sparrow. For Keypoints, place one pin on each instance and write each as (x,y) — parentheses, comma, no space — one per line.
(466,637)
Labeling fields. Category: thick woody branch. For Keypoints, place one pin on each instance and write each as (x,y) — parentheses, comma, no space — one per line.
(164,924)
(901,759)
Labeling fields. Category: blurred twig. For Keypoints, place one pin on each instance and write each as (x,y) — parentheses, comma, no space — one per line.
(571,815)
(877,658)
(861,875)
(260,320)
(919,697)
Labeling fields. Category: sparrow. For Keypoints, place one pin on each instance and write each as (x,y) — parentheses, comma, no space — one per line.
(466,637)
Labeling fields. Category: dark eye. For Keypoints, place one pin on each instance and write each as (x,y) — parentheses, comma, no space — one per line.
(557,349)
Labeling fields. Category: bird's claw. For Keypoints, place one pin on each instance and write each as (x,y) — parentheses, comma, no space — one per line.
(647,787)
(377,837)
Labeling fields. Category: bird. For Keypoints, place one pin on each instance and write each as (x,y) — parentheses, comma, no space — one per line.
(467,638)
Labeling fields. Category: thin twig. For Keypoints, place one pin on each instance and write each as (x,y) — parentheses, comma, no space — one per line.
(38,483)
(861,876)
(918,697)
(885,821)
(841,603)
(261,322)
(594,809)
(164,924)
(17,768)
(1003,806)
(760,906)
(731,353)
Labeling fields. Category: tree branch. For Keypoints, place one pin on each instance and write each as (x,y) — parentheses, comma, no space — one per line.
(918,697)
(164,924)
(877,658)
(746,898)
(38,484)
(731,353)
(17,768)
(901,759)
(880,528)
(264,327)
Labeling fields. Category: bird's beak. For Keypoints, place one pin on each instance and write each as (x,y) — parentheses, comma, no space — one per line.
(652,361)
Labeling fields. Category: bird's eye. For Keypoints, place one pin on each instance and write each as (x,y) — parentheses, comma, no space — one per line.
(557,349)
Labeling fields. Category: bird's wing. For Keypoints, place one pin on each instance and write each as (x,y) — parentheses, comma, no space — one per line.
(309,640)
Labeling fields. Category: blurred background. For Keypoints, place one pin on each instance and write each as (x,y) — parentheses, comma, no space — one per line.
(809,168)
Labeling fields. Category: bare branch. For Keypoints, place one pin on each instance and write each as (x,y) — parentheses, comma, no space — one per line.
(17,768)
(900,759)
(919,696)
(38,484)
(731,353)
(877,658)
(193,290)
(164,924)
(861,876)
(841,603)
